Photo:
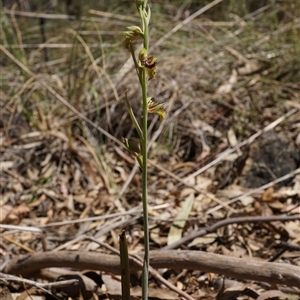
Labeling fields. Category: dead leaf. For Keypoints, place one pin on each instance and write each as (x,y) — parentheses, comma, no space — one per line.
(175,232)
(278,205)
(33,174)
(39,201)
(85,287)
(4,212)
(5,294)
(293,228)
(247,200)
(5,165)
(10,214)
(232,138)
(273,295)
(203,183)
(291,208)
(112,283)
(6,197)
(227,86)
(236,291)
(17,296)
(46,160)
(204,240)
(48,170)
(17,187)
(156,237)
(64,190)
(122,174)
(252,66)
(158,293)
(29,294)
(27,146)
(268,194)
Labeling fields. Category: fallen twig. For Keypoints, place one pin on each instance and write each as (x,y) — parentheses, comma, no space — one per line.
(42,286)
(225,222)
(274,273)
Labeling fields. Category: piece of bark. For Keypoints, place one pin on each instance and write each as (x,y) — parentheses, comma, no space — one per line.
(275,273)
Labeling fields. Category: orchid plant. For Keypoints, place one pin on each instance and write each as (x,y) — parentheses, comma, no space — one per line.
(146,68)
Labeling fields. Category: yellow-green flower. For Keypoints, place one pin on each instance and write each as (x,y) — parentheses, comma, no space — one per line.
(147,62)
(133,33)
(156,108)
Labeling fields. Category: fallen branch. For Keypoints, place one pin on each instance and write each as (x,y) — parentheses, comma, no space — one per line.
(274,273)
(225,222)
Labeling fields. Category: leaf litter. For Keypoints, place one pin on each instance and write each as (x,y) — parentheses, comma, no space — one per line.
(228,149)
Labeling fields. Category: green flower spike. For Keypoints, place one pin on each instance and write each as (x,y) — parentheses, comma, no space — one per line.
(147,62)
(133,146)
(156,108)
(141,4)
(133,33)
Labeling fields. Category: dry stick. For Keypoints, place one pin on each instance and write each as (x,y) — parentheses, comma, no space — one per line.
(40,15)
(101,232)
(113,15)
(69,17)
(138,260)
(274,273)
(38,229)
(42,286)
(19,244)
(57,16)
(60,46)
(134,211)
(21,228)
(238,220)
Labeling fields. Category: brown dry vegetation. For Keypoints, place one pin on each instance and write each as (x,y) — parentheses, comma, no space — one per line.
(224,178)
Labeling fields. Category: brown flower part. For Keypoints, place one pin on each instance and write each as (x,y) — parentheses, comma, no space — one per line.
(156,108)
(150,64)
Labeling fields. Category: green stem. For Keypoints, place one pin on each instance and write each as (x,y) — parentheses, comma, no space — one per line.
(131,49)
(133,118)
(145,188)
(145,273)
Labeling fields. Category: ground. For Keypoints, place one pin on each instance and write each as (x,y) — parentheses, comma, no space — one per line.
(224,175)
